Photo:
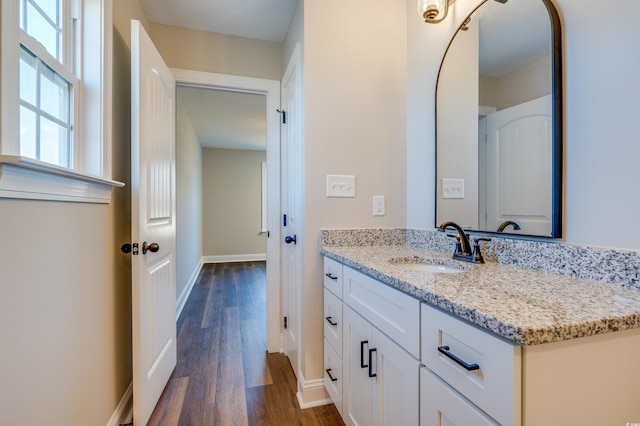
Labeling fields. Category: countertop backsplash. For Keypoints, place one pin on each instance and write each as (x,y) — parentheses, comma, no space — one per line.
(619,267)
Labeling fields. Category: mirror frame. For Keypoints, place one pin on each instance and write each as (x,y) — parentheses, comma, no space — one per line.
(557,132)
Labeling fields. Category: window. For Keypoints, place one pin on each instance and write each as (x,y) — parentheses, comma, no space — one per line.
(56,119)
(47,81)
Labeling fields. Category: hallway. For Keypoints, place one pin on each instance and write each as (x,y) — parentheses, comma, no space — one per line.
(224,375)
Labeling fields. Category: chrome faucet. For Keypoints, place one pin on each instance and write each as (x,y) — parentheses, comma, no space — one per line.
(463,248)
(506,223)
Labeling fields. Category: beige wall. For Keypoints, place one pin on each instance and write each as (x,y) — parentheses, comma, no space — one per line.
(65,289)
(232,202)
(458,129)
(601,126)
(355,124)
(527,83)
(188,200)
(219,53)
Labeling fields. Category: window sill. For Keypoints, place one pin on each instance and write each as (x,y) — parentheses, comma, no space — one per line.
(26,178)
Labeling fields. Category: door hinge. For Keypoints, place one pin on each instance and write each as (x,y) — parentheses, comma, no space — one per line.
(284,115)
(285,323)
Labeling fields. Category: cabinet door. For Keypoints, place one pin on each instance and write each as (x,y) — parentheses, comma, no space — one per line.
(356,396)
(440,405)
(396,386)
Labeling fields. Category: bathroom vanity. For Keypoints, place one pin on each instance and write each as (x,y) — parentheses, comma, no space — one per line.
(479,344)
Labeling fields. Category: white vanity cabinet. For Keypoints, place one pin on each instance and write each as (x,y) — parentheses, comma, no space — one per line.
(380,378)
(379,359)
(470,372)
(589,380)
(392,360)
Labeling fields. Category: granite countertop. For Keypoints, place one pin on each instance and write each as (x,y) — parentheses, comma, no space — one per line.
(526,306)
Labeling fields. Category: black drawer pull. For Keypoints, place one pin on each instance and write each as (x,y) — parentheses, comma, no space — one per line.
(328,274)
(362,343)
(331,322)
(445,351)
(371,374)
(333,379)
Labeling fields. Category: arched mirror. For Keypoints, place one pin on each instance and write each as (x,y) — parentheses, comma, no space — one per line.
(499,121)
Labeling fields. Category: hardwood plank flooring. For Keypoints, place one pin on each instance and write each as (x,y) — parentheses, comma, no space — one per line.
(224,376)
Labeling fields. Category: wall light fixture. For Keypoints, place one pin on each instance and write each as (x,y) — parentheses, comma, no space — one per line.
(433,11)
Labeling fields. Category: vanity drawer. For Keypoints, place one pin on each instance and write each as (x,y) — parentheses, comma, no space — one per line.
(333,375)
(493,382)
(391,311)
(333,320)
(441,405)
(333,276)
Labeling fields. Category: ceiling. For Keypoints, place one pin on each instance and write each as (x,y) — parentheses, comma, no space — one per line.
(259,19)
(223,119)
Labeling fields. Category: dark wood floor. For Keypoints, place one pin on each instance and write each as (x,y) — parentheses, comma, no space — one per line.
(224,375)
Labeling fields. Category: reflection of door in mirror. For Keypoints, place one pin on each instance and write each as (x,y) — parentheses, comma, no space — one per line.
(518,167)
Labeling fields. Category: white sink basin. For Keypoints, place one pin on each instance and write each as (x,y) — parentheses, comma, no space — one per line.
(433,266)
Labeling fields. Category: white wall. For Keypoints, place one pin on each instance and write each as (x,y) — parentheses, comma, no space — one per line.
(354,115)
(601,118)
(188,200)
(232,203)
(65,288)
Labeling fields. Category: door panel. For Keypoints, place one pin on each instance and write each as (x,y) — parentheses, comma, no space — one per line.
(152,221)
(356,402)
(291,161)
(519,167)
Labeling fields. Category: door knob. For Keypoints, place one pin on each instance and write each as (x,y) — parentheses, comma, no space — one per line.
(153,247)
(290,240)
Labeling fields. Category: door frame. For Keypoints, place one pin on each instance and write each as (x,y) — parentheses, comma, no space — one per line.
(271,89)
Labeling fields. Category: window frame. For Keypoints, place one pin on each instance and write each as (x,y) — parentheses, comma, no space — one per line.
(89,177)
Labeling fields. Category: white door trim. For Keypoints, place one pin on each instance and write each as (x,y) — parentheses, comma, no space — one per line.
(271,89)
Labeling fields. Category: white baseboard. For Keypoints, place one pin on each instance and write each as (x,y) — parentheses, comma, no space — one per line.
(124,410)
(235,258)
(311,393)
(182,299)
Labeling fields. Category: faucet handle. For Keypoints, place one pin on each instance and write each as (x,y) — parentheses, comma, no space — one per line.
(477,252)
(476,240)
(458,249)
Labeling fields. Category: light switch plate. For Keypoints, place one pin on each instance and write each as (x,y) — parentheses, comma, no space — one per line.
(452,188)
(341,186)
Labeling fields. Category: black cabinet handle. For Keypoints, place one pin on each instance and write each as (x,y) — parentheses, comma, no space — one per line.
(333,379)
(362,343)
(445,351)
(371,374)
(331,322)
(328,274)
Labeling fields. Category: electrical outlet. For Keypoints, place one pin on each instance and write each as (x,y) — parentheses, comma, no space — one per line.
(378,205)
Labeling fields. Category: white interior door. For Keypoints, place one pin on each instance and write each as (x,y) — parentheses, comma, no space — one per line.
(153,210)
(291,146)
(518,169)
